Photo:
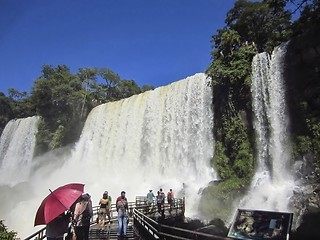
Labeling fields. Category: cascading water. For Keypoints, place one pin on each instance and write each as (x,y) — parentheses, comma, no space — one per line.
(167,131)
(273,183)
(16,149)
(161,138)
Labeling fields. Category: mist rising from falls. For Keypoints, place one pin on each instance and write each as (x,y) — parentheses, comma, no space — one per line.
(17,144)
(272,185)
(161,138)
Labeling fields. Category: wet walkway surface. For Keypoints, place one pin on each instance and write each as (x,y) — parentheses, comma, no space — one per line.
(110,232)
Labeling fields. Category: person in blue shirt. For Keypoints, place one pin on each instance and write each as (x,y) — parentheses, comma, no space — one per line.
(150,197)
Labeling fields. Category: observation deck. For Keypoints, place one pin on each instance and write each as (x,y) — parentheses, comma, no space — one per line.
(143,224)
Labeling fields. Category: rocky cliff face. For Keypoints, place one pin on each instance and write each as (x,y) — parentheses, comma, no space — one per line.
(302,75)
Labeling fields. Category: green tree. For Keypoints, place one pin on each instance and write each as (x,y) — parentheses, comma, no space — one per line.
(145,88)
(90,89)
(109,88)
(6,111)
(127,88)
(58,98)
(5,234)
(264,23)
(221,161)
(21,104)
(309,18)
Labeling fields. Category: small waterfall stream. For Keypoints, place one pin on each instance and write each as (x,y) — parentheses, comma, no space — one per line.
(273,183)
(17,144)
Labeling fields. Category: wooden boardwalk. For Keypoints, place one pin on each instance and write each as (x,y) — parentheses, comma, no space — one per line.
(110,231)
(141,222)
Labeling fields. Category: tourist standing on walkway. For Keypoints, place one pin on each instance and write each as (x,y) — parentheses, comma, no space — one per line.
(163,198)
(104,211)
(160,198)
(150,197)
(159,201)
(170,198)
(122,209)
(58,227)
(82,215)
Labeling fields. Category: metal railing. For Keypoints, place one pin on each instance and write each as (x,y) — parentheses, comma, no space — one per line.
(38,235)
(41,234)
(147,228)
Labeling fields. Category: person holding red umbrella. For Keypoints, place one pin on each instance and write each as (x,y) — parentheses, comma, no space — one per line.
(58,202)
(82,215)
(52,209)
(58,227)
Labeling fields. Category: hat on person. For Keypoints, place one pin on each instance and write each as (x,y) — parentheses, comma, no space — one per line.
(85,196)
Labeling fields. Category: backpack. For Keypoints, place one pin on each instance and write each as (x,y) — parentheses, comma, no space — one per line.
(169,196)
(159,199)
(105,203)
(122,204)
(85,217)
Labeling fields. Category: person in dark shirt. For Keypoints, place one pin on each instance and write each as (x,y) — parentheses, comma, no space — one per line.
(58,227)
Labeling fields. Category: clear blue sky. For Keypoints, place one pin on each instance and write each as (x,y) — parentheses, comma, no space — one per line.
(153,42)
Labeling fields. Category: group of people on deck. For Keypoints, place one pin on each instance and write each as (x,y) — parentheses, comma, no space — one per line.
(80,214)
(122,209)
(160,200)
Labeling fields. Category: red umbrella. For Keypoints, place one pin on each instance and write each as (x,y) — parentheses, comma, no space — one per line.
(57,202)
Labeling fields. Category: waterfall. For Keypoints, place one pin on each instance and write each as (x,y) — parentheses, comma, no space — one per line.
(158,139)
(272,185)
(16,149)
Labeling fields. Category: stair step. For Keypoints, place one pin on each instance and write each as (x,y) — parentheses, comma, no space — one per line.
(96,234)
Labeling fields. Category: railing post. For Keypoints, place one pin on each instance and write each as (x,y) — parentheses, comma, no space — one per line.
(183,205)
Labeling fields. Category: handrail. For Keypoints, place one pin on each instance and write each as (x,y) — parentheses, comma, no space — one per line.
(179,233)
(38,235)
(178,206)
(41,234)
(151,229)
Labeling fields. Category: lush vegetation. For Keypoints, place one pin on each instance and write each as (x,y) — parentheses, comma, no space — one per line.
(5,234)
(63,100)
(303,89)
(251,28)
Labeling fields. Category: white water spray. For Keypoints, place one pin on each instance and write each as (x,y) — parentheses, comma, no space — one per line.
(17,144)
(161,138)
(273,183)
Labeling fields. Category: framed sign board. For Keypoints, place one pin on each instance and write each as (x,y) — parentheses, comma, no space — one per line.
(257,224)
